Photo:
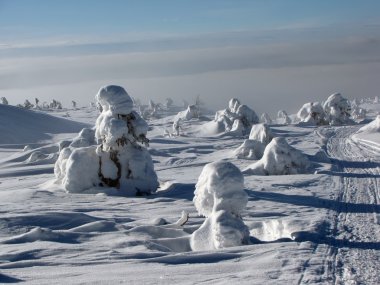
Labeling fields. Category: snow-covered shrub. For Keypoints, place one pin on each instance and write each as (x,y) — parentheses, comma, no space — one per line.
(279,158)
(253,148)
(265,118)
(4,101)
(283,118)
(237,118)
(220,197)
(121,160)
(312,113)
(337,109)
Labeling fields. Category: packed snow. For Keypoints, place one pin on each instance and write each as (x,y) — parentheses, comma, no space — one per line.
(206,222)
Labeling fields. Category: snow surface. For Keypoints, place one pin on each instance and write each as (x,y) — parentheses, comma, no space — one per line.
(312,228)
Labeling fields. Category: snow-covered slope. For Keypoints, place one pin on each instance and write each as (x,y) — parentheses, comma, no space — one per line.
(21,126)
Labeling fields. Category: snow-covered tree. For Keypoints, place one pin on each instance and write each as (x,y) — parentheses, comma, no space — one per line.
(168,103)
(265,118)
(237,118)
(253,148)
(337,109)
(37,101)
(220,197)
(312,113)
(27,104)
(4,101)
(283,118)
(74,104)
(121,160)
(280,158)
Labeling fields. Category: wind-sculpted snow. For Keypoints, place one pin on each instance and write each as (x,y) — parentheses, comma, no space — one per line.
(20,126)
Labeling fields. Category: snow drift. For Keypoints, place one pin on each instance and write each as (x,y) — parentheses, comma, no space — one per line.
(279,159)
(220,197)
(21,126)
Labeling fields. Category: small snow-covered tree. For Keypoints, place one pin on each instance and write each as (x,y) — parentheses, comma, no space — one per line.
(237,118)
(168,103)
(253,148)
(280,158)
(37,101)
(312,113)
(265,118)
(121,160)
(4,101)
(283,118)
(337,109)
(74,104)
(220,197)
(27,104)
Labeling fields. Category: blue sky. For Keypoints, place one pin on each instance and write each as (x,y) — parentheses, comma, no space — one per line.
(281,50)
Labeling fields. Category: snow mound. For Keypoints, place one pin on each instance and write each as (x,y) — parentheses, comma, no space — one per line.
(312,113)
(279,159)
(337,109)
(21,126)
(220,197)
(253,148)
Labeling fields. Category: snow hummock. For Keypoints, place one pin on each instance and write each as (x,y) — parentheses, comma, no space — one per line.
(312,113)
(372,127)
(279,159)
(253,148)
(120,161)
(337,109)
(369,135)
(220,197)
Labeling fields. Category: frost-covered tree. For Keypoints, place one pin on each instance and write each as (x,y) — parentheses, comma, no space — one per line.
(37,101)
(283,118)
(280,158)
(74,104)
(237,118)
(312,113)
(27,104)
(253,148)
(265,118)
(168,103)
(220,197)
(120,160)
(4,101)
(337,109)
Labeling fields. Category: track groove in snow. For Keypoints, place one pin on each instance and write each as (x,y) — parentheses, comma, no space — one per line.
(357,259)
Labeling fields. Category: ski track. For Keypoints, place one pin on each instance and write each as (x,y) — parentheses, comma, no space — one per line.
(356,232)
